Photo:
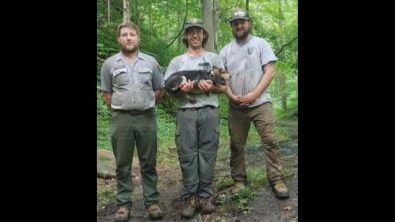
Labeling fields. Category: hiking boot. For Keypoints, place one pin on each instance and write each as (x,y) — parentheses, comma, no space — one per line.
(206,205)
(190,207)
(154,212)
(122,214)
(280,190)
(236,186)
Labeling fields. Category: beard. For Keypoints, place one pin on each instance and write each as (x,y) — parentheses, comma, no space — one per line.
(242,36)
(129,49)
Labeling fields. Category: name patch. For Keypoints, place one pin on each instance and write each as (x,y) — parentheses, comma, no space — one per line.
(119,67)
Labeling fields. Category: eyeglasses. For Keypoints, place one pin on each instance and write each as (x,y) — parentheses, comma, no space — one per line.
(193,32)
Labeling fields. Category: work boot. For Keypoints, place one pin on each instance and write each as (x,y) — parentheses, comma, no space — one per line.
(280,190)
(122,214)
(206,205)
(154,212)
(236,186)
(190,207)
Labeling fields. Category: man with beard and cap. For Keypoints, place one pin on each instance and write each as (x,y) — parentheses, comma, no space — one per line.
(131,84)
(250,63)
(197,124)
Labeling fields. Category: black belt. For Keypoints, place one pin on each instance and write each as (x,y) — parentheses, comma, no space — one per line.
(133,112)
(197,108)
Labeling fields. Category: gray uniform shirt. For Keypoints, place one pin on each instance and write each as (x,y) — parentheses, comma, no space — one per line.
(132,87)
(185,62)
(244,65)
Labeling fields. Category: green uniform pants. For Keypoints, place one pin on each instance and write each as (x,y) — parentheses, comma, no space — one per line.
(239,121)
(197,139)
(126,132)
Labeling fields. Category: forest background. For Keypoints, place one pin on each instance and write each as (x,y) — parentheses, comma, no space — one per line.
(161,24)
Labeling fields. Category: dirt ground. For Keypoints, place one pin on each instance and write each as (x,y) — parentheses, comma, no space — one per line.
(264,208)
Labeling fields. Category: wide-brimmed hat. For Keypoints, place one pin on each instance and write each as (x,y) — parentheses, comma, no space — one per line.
(194,22)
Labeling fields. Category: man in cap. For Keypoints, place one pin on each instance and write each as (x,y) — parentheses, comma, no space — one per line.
(197,124)
(250,63)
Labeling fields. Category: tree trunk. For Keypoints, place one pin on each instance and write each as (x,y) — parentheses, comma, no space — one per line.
(215,24)
(136,13)
(281,42)
(180,20)
(150,19)
(109,4)
(126,15)
(208,24)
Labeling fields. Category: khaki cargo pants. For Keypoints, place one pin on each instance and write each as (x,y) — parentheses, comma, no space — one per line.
(239,121)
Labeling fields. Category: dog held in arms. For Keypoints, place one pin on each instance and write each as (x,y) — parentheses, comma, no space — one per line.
(217,75)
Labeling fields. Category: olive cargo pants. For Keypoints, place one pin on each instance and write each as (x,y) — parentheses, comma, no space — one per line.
(126,132)
(197,139)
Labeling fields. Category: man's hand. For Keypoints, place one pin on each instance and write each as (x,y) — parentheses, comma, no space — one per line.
(245,100)
(205,85)
(186,87)
(248,99)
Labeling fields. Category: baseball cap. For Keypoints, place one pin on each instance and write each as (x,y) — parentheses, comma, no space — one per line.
(239,13)
(194,22)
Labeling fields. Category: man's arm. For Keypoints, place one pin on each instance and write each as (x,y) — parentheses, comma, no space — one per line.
(185,87)
(207,85)
(107,99)
(158,95)
(266,79)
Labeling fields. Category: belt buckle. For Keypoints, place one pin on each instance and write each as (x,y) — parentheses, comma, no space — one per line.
(133,112)
(136,112)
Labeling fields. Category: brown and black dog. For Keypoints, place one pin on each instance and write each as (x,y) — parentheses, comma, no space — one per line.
(217,75)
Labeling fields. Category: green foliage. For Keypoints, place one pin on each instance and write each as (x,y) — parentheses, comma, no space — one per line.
(103,123)
(218,219)
(245,195)
(257,176)
(105,197)
(239,201)
(167,20)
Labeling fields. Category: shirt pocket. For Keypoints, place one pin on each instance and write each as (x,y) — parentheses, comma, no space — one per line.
(144,75)
(121,77)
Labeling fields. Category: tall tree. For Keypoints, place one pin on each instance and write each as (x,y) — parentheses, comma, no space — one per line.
(281,43)
(215,24)
(207,15)
(109,6)
(126,15)
(150,18)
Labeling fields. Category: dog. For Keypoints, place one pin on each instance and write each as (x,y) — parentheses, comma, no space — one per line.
(217,75)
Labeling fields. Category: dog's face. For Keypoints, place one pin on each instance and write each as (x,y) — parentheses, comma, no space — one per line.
(219,76)
(222,72)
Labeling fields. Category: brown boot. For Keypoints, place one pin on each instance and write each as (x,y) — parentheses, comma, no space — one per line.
(190,207)
(154,212)
(206,205)
(122,214)
(280,190)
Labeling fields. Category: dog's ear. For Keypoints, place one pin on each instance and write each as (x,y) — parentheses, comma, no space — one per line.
(216,71)
(216,79)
